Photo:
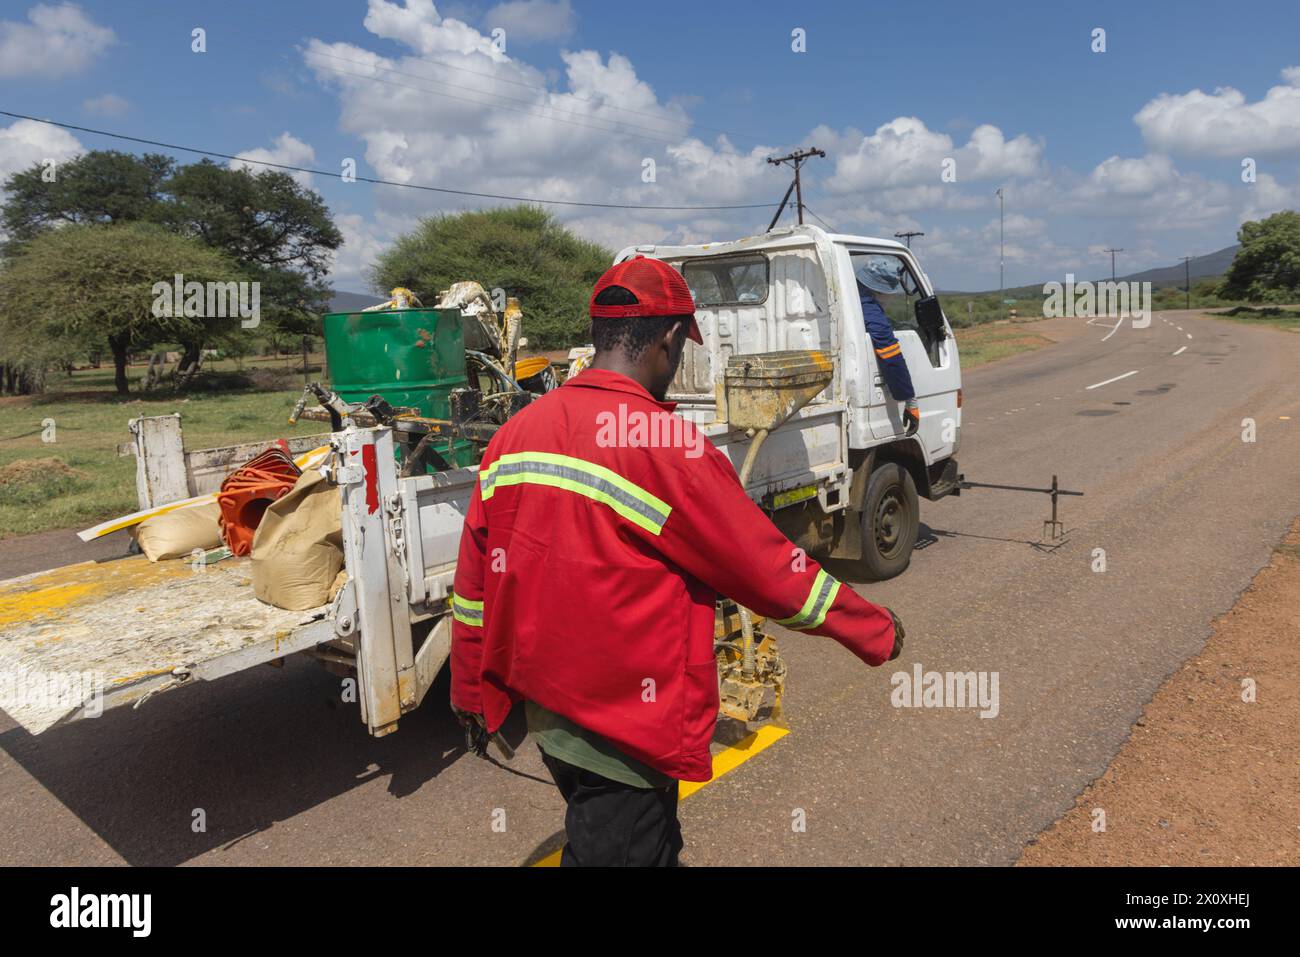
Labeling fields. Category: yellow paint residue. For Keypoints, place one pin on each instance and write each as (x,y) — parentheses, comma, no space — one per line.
(48,595)
(41,603)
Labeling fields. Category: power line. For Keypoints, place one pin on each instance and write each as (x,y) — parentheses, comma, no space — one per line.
(372,180)
(809,211)
(796,160)
(1112,252)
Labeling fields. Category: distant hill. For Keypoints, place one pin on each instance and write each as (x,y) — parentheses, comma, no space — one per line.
(1201,267)
(351,301)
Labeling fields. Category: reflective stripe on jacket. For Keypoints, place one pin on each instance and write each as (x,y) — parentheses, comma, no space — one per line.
(598,536)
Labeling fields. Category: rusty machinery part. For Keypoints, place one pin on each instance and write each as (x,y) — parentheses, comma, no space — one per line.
(337,408)
(763,390)
(421,457)
(742,690)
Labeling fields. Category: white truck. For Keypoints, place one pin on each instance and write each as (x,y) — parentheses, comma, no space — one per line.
(840,476)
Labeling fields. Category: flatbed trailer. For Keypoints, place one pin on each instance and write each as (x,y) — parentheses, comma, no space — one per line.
(840,476)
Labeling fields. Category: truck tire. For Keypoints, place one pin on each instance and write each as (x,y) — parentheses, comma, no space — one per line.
(890,521)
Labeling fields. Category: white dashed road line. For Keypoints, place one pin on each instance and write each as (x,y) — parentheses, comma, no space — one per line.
(1098,385)
(1181,350)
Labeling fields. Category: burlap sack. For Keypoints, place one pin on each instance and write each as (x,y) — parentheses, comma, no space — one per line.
(298,547)
(177,533)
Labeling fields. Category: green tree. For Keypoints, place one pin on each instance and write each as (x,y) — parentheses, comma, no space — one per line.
(520,249)
(72,287)
(102,186)
(1267,266)
(280,231)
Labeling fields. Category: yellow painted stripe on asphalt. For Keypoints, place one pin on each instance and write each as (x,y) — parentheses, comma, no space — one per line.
(728,759)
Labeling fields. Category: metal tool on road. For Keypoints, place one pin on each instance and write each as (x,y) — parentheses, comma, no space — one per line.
(1053,528)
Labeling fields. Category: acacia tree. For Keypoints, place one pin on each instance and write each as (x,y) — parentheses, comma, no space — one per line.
(521,249)
(101,186)
(278,231)
(1267,266)
(73,286)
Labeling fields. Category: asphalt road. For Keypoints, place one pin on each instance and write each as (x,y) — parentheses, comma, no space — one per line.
(1185,511)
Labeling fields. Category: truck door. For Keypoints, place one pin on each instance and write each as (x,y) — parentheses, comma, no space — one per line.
(931,356)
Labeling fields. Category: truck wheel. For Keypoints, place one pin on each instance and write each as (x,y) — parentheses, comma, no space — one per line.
(890,521)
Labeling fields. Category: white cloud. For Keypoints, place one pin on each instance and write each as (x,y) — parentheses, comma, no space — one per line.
(364,238)
(1223,123)
(527,21)
(110,104)
(418,25)
(447,109)
(1267,196)
(55,41)
(288,150)
(1142,176)
(906,152)
(1153,194)
(26,142)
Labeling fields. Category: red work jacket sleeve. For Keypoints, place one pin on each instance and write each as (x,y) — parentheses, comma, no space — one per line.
(716,533)
(467,610)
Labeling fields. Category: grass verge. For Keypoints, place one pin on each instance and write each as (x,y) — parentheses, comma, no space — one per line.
(992,341)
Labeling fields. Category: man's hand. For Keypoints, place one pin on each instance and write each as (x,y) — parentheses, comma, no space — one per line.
(911,417)
(898,635)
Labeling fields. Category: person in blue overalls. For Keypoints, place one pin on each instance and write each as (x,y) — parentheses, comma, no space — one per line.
(881,274)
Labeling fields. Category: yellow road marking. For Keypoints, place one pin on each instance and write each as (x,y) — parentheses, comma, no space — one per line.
(728,759)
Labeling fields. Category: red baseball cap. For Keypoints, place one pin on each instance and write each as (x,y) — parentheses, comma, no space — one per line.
(651,288)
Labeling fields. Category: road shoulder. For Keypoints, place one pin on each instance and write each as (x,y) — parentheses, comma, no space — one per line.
(1206,776)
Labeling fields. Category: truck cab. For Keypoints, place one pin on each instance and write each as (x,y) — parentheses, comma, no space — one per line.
(842,477)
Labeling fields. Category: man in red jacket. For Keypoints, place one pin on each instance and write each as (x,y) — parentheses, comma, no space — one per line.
(601,531)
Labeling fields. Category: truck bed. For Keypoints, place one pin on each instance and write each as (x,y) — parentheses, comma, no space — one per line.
(124,629)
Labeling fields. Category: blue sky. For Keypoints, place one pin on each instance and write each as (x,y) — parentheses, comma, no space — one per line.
(1139,146)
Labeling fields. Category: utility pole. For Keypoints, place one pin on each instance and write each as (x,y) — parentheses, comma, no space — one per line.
(795,159)
(1187,274)
(1001,248)
(1112,260)
(907,237)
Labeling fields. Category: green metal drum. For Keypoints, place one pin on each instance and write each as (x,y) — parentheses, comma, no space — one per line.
(411,357)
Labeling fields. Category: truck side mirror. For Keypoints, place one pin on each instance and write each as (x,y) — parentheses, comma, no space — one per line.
(929,317)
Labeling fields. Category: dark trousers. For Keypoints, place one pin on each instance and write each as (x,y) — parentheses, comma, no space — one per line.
(611,824)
